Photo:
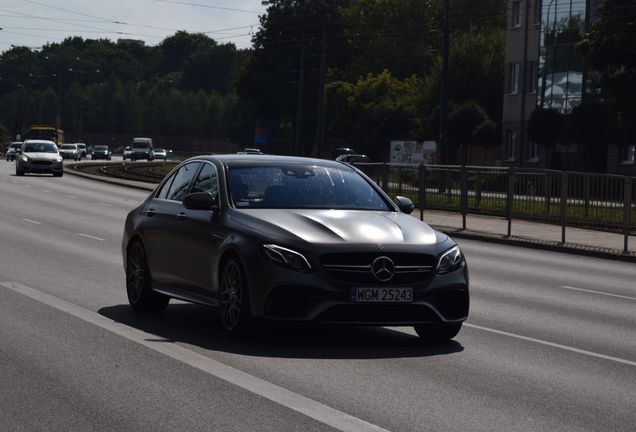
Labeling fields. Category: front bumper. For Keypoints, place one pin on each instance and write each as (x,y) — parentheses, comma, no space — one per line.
(38,166)
(279,293)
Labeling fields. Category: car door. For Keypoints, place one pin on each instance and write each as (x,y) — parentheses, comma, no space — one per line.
(162,224)
(198,239)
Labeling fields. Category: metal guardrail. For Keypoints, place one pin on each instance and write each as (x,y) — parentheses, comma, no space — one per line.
(603,202)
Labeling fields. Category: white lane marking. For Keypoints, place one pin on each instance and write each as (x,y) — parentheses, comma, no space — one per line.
(104,204)
(32,221)
(294,401)
(46,190)
(554,345)
(90,236)
(71,197)
(14,182)
(598,292)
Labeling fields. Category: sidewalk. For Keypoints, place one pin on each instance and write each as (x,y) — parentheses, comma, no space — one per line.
(532,234)
(527,234)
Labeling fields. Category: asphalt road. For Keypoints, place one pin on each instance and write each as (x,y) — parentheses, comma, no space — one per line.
(550,344)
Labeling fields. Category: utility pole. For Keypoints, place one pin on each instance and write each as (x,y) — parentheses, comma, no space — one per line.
(320,118)
(299,108)
(443,111)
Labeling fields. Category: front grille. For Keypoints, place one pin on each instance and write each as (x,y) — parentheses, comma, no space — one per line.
(356,268)
(41,163)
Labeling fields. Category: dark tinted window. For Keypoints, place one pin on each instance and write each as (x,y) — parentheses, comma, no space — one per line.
(182,179)
(206,180)
(302,187)
(162,193)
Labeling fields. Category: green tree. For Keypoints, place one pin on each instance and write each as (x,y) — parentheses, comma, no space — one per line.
(588,125)
(544,128)
(49,105)
(462,122)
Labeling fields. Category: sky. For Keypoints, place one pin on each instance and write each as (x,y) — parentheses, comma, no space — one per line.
(34,23)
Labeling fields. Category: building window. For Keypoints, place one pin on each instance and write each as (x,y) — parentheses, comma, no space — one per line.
(629,154)
(511,144)
(537,12)
(513,78)
(533,151)
(516,14)
(532,77)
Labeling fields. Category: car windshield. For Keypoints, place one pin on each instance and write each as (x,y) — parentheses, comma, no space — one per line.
(40,148)
(16,146)
(302,187)
(67,147)
(101,148)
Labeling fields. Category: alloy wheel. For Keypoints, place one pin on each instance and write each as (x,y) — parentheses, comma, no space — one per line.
(231,295)
(136,274)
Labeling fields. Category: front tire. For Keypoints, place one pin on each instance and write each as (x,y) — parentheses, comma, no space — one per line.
(234,305)
(139,283)
(436,333)
(19,172)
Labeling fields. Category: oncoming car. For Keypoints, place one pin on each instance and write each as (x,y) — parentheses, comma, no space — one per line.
(13,151)
(291,239)
(39,156)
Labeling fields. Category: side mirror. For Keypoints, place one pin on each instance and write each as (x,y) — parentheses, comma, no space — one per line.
(201,201)
(404,204)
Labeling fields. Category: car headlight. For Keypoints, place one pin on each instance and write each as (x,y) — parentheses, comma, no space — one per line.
(59,159)
(286,257)
(24,158)
(450,260)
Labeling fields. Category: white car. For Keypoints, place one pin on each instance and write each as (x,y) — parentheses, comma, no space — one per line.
(70,151)
(159,153)
(39,156)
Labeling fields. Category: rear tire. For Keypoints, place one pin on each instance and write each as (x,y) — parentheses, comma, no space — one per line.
(441,332)
(139,283)
(234,305)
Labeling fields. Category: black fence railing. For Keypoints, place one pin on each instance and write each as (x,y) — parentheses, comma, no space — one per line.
(602,202)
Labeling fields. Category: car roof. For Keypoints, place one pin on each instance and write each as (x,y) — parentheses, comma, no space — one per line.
(251,159)
(39,141)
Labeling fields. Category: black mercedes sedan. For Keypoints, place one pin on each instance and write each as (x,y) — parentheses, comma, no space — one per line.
(291,239)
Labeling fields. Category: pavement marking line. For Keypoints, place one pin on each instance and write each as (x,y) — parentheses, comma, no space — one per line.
(90,236)
(554,345)
(71,197)
(286,398)
(32,221)
(104,204)
(597,292)
(46,190)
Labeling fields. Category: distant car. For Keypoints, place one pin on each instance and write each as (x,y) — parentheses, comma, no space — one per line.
(39,156)
(89,150)
(13,150)
(159,153)
(343,150)
(141,149)
(70,151)
(83,151)
(101,152)
(353,158)
(250,151)
(127,153)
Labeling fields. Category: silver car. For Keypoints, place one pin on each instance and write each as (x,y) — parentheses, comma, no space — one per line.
(13,150)
(39,156)
(70,151)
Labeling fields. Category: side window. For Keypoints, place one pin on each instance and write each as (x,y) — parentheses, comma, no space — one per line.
(182,179)
(207,180)
(165,187)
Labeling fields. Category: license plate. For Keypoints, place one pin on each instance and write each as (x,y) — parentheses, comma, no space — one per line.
(381,295)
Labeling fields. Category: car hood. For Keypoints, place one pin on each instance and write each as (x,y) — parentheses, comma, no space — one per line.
(42,156)
(338,226)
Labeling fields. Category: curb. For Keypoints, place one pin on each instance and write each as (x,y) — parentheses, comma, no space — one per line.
(570,248)
(72,169)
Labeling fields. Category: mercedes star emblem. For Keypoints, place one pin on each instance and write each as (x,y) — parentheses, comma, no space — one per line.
(383,268)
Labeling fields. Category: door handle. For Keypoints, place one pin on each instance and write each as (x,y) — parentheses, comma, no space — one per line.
(150,212)
(181,215)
